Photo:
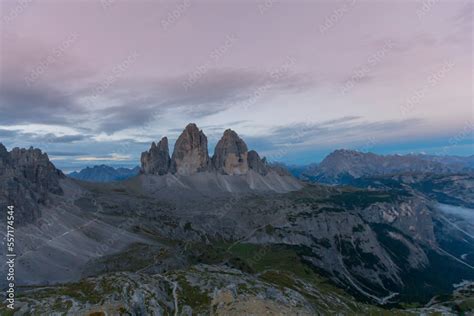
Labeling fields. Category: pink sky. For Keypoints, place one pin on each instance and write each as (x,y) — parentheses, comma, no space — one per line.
(115,71)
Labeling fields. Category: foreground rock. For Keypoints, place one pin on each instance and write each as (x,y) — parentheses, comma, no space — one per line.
(27,180)
(198,290)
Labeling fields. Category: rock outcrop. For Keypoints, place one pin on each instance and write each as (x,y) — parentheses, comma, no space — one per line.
(27,178)
(157,159)
(190,153)
(190,156)
(230,154)
(257,164)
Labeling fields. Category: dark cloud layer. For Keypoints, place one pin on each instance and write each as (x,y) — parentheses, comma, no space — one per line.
(29,105)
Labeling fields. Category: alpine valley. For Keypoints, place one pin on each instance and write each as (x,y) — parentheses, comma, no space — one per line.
(189,233)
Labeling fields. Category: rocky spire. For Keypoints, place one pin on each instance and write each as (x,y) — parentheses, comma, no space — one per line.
(157,159)
(3,153)
(230,154)
(190,153)
(256,164)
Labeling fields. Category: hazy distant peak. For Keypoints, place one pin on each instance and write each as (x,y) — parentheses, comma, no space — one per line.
(104,173)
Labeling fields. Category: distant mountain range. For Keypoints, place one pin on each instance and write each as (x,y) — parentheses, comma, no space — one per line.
(340,167)
(343,166)
(104,173)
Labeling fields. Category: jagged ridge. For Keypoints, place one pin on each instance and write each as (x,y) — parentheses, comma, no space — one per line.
(27,178)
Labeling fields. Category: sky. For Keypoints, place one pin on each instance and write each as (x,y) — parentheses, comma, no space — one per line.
(95,82)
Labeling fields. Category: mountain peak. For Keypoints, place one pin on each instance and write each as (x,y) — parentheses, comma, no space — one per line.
(342,165)
(34,178)
(157,159)
(190,156)
(191,127)
(190,153)
(257,164)
(346,152)
(3,151)
(104,173)
(230,154)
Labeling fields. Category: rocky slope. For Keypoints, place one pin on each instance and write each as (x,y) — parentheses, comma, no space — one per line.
(27,179)
(104,173)
(210,243)
(454,189)
(200,290)
(461,162)
(250,253)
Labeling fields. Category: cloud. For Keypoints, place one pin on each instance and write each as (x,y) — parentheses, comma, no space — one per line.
(26,105)
(49,99)
(140,103)
(46,141)
(465,15)
(111,157)
(51,138)
(338,131)
(129,102)
(5,133)
(164,87)
(344,119)
(66,154)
